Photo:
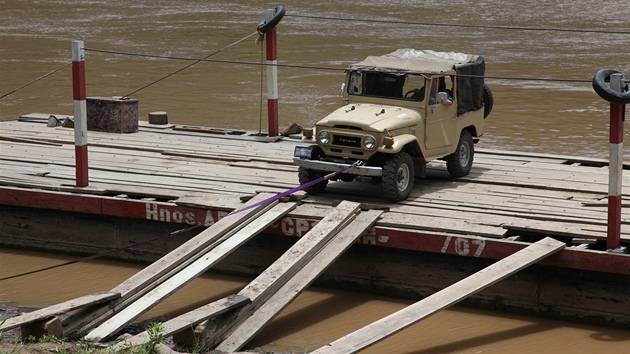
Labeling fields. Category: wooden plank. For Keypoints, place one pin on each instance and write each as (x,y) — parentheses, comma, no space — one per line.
(145,280)
(392,324)
(203,262)
(565,229)
(440,223)
(50,311)
(294,259)
(304,277)
(183,254)
(187,320)
(302,251)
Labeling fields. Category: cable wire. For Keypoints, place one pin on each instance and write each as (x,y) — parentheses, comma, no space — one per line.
(35,80)
(101,254)
(437,24)
(312,67)
(191,64)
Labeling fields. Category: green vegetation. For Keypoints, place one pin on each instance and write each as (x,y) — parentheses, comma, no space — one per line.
(52,344)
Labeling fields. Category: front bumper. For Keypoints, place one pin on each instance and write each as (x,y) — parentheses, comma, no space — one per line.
(369,171)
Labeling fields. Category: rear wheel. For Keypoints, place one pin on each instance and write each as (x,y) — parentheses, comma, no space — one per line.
(398,174)
(460,162)
(305,175)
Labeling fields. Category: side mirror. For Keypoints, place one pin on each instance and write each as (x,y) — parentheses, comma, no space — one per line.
(343,86)
(442,97)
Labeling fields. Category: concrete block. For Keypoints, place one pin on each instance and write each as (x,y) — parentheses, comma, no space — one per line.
(112,114)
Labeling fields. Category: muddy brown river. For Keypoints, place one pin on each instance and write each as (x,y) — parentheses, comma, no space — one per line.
(518,43)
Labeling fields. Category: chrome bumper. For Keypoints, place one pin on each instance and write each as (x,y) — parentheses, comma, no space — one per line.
(370,171)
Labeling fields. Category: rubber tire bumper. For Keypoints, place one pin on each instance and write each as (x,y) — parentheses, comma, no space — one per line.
(604,91)
(268,23)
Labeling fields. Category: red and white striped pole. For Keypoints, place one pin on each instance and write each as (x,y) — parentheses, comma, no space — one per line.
(615,167)
(80,114)
(272,81)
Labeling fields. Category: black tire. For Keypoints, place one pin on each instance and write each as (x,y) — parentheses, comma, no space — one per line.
(305,175)
(270,20)
(398,175)
(460,162)
(488,101)
(599,85)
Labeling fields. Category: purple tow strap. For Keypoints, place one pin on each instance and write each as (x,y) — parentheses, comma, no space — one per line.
(293,190)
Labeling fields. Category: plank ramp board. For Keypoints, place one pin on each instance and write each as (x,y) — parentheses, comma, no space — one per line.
(303,250)
(187,274)
(50,311)
(189,251)
(392,324)
(149,277)
(187,320)
(302,279)
(284,268)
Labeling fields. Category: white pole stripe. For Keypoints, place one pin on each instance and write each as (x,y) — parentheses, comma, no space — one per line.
(615,170)
(272,79)
(80,124)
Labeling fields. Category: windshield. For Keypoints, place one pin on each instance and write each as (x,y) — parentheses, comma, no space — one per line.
(379,84)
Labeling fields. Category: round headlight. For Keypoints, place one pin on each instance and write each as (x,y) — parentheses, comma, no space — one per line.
(369,142)
(324,137)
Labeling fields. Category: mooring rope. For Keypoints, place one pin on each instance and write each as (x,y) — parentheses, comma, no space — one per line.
(35,80)
(298,188)
(191,64)
(101,254)
(263,202)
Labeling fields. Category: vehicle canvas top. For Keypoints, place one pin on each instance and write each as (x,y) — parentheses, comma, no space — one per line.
(415,61)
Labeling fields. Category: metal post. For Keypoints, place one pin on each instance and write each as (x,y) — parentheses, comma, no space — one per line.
(80,114)
(272,82)
(615,167)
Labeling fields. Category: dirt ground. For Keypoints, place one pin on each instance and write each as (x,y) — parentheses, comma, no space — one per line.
(12,343)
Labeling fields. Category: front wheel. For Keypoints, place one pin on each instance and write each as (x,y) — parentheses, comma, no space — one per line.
(305,176)
(398,174)
(460,162)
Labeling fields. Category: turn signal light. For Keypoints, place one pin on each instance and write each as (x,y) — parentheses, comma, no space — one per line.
(388,141)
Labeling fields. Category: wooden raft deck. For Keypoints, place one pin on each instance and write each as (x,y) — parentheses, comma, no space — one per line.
(504,190)
(506,193)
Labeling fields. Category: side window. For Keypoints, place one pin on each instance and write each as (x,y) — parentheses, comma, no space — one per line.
(414,88)
(435,82)
(355,86)
(441,84)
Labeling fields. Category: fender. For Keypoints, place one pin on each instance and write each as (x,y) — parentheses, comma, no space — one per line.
(271,19)
(400,141)
(605,92)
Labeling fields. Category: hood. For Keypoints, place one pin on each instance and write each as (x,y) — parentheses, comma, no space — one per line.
(371,117)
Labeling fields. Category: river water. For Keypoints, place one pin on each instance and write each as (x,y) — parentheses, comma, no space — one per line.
(555,117)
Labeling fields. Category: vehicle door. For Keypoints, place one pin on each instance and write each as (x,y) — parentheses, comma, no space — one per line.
(441,116)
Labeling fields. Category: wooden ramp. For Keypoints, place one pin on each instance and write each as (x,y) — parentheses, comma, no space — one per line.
(160,279)
(303,278)
(164,268)
(392,324)
(279,284)
(187,320)
(58,309)
(197,263)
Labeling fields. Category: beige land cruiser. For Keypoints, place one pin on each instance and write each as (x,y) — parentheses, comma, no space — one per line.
(401,110)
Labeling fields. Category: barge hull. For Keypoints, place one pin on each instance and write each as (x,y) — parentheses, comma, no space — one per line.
(576,295)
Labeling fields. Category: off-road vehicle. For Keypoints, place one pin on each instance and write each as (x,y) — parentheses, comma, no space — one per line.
(401,110)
